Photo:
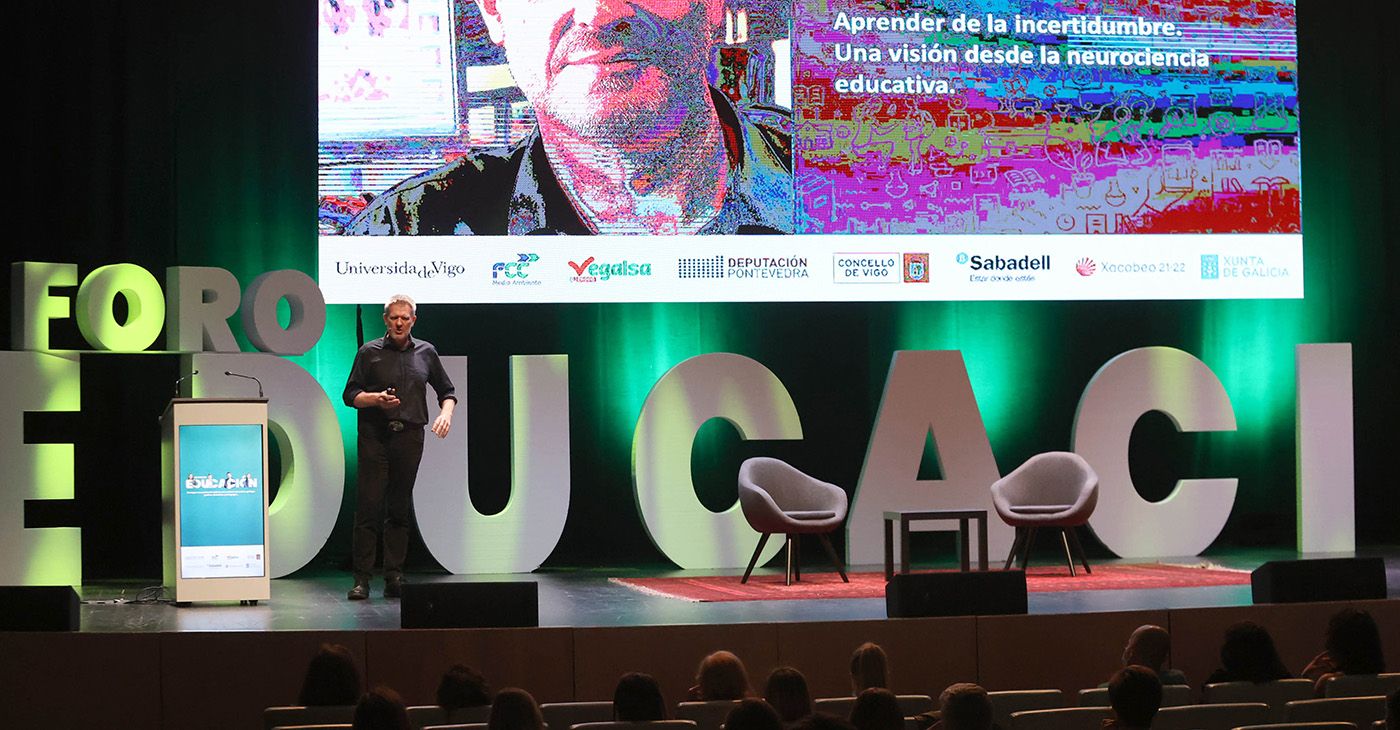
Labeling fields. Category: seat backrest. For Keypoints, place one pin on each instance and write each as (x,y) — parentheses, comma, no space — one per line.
(1067,718)
(1301,726)
(1006,702)
(1173,695)
(331,726)
(297,715)
(838,706)
(1361,685)
(1053,477)
(1275,694)
(564,715)
(790,489)
(651,725)
(1360,711)
(912,705)
(706,715)
(1211,717)
(423,715)
(458,726)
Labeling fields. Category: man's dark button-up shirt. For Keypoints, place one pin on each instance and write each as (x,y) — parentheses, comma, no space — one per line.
(515,192)
(380,365)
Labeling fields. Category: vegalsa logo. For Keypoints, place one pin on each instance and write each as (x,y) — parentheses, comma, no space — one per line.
(1086,266)
(588,270)
(513,271)
(999,263)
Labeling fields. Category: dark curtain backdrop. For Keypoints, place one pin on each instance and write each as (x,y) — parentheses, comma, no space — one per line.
(171,133)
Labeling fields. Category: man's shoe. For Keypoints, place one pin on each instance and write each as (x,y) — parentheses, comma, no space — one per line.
(359,593)
(393,588)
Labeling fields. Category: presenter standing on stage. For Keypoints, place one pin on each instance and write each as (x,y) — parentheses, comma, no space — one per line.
(388,387)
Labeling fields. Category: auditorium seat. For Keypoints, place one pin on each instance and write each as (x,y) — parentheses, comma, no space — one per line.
(297,715)
(651,725)
(909,705)
(1067,718)
(458,726)
(1300,726)
(1360,711)
(705,715)
(1275,694)
(1211,717)
(423,715)
(1006,702)
(332,726)
(564,715)
(1362,685)
(1173,695)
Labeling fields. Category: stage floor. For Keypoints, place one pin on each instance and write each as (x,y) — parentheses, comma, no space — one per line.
(584,597)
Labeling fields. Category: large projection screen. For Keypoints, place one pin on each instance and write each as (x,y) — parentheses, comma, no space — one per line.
(807,150)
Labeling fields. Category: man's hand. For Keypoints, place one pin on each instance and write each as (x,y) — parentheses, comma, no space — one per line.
(442,424)
(386,400)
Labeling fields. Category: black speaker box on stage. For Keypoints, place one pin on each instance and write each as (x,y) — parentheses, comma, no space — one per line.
(470,605)
(1327,579)
(38,608)
(978,593)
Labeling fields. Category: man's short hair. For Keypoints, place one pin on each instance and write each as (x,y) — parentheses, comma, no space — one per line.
(1135,693)
(402,299)
(965,706)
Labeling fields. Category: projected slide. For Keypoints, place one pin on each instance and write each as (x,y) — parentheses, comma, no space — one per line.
(808,150)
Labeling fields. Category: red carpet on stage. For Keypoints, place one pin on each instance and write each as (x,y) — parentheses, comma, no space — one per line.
(1044,579)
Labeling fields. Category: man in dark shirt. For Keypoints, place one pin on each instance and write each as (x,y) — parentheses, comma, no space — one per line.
(630,137)
(388,387)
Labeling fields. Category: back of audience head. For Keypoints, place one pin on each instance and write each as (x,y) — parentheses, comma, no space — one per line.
(1354,642)
(965,706)
(877,708)
(638,699)
(869,667)
(1248,655)
(787,692)
(331,678)
(462,686)
(721,676)
(1135,694)
(514,709)
(753,714)
(1148,646)
(381,709)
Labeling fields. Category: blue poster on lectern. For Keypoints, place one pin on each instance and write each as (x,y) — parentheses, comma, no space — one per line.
(221,501)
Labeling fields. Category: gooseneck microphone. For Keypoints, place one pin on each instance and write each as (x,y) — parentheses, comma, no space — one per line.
(180,380)
(232,374)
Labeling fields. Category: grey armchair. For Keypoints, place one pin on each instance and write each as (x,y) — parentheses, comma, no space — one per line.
(1056,489)
(776,498)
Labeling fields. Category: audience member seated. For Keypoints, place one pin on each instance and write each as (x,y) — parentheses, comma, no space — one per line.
(786,691)
(514,709)
(331,679)
(877,708)
(1248,655)
(1135,694)
(965,706)
(1149,646)
(460,687)
(869,668)
(638,699)
(1353,646)
(721,676)
(381,709)
(753,714)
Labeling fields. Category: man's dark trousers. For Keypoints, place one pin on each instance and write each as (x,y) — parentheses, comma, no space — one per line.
(388,467)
